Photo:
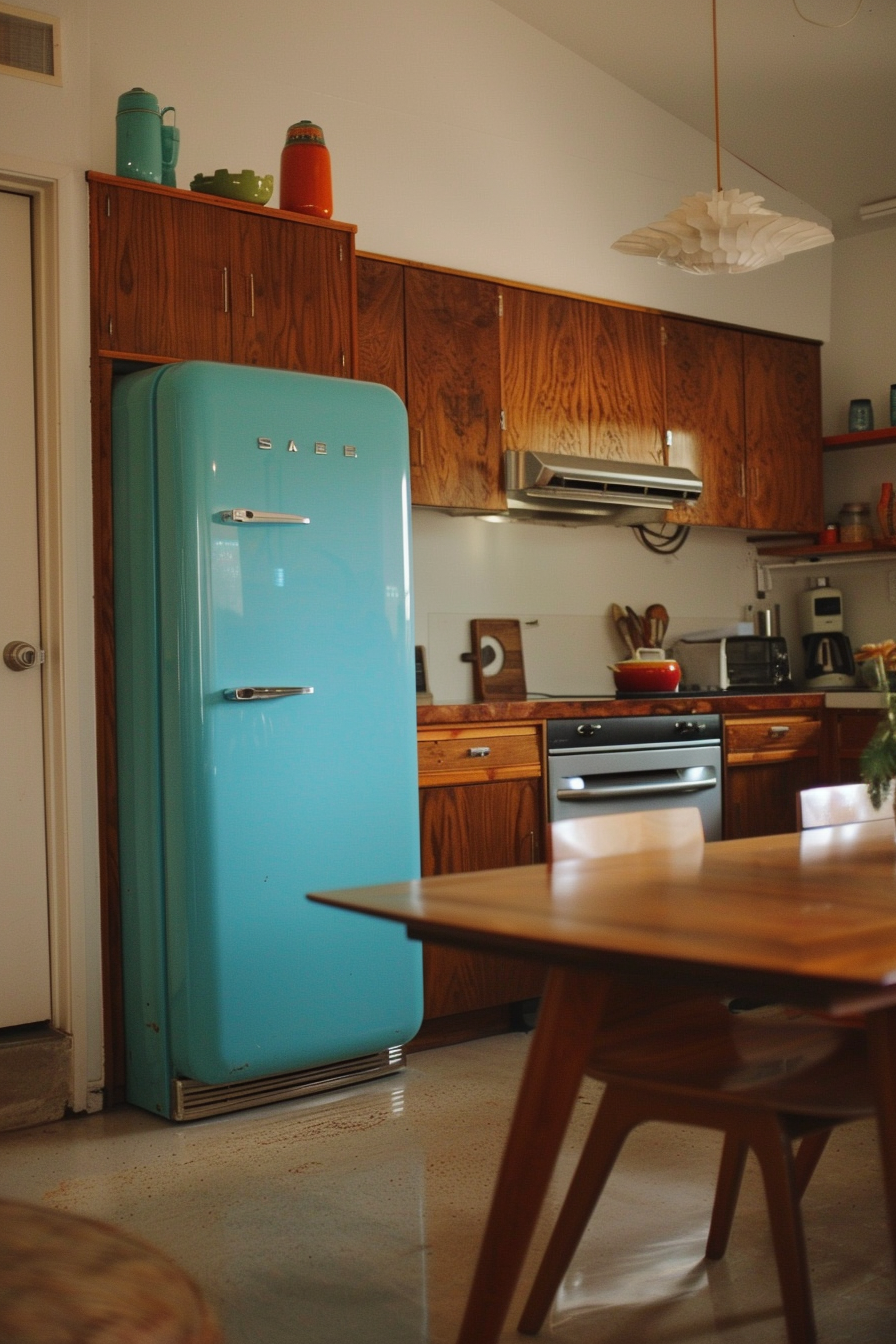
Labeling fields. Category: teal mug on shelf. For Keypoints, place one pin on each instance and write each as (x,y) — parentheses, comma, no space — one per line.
(861,415)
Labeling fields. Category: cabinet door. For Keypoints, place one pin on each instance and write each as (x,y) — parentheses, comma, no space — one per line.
(546,351)
(852,730)
(161,274)
(465,828)
(782,401)
(291,301)
(626,384)
(454,390)
(705,418)
(760,799)
(381,350)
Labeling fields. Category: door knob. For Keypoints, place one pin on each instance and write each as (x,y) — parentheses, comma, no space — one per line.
(19,656)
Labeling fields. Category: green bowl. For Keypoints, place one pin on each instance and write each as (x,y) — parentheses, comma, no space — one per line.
(244,186)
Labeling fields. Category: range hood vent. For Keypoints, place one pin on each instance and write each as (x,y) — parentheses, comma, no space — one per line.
(554,488)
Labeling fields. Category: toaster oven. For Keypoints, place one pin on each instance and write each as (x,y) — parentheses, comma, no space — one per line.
(734,663)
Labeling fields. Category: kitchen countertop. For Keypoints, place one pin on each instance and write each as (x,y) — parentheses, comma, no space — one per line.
(608,707)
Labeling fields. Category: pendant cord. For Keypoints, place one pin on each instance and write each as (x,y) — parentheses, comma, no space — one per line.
(715,86)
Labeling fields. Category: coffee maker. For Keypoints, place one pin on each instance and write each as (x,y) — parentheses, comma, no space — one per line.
(828,656)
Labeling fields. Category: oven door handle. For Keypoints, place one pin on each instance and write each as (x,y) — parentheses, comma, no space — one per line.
(634,790)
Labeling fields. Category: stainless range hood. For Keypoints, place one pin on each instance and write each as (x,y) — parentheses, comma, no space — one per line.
(554,488)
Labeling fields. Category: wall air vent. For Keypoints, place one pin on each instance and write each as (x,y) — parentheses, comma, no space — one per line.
(29,44)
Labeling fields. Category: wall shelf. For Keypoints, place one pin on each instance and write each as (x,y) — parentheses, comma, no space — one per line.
(864,439)
(807,551)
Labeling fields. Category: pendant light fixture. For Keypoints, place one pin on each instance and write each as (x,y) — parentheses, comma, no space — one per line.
(722,232)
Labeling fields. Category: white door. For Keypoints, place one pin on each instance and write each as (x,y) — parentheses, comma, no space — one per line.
(24,932)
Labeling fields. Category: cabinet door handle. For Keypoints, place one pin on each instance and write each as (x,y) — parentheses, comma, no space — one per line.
(534,847)
(480,751)
(251,294)
(779,730)
(743,481)
(226,292)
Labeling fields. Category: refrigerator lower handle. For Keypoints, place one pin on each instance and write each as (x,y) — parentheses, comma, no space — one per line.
(266,692)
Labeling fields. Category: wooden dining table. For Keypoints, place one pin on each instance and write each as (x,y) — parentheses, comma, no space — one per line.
(807,919)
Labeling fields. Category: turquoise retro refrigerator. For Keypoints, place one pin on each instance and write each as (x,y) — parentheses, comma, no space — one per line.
(266,731)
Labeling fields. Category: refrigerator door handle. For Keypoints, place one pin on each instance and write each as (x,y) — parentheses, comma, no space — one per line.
(266,692)
(257,516)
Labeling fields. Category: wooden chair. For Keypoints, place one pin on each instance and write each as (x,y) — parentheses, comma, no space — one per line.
(838,805)
(65,1279)
(763,1079)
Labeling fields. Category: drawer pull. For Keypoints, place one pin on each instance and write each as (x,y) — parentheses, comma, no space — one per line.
(779,730)
(480,751)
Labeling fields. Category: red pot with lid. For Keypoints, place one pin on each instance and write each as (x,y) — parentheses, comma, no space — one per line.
(305,181)
(649,670)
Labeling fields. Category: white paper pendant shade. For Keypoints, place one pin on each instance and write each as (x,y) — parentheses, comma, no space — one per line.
(725,231)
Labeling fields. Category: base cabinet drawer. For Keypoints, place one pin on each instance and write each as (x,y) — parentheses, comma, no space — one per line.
(781,736)
(470,756)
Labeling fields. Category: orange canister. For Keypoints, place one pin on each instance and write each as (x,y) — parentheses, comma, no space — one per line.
(305,182)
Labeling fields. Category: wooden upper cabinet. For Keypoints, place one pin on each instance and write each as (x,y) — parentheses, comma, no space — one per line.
(705,418)
(160,275)
(783,433)
(181,277)
(291,296)
(453,390)
(627,384)
(547,349)
(381,344)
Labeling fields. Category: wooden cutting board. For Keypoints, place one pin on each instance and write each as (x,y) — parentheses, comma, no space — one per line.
(503,638)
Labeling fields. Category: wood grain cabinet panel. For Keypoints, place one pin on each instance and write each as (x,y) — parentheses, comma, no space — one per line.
(768,760)
(174,277)
(547,391)
(453,390)
(463,829)
(161,271)
(291,296)
(782,401)
(704,418)
(381,344)
(627,384)
(850,731)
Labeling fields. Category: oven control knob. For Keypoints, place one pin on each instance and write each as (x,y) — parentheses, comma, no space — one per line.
(588,729)
(685,729)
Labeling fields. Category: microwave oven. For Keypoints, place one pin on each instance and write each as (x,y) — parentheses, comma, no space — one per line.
(735,662)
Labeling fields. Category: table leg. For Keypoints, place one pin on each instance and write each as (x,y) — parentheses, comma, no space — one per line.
(882,1053)
(567,1021)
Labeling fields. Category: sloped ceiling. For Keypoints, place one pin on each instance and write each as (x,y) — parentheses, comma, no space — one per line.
(812,108)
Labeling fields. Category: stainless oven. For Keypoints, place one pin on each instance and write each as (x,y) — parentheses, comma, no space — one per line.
(633,764)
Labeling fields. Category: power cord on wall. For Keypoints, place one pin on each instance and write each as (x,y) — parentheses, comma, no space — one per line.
(659,541)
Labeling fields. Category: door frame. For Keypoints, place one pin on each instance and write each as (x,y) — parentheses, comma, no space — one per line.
(65,540)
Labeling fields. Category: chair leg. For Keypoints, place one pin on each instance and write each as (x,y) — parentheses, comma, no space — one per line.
(731,1171)
(773,1149)
(807,1157)
(617,1116)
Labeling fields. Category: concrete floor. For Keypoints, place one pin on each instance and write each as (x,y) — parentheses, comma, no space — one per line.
(354,1218)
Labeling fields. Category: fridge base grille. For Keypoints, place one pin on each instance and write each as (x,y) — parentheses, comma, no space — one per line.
(194,1101)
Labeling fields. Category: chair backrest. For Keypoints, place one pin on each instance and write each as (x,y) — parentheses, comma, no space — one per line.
(602,836)
(838,805)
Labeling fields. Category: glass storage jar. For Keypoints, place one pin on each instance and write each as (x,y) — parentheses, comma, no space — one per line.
(855,522)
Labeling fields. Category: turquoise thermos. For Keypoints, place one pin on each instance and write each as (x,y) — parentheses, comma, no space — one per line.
(138,136)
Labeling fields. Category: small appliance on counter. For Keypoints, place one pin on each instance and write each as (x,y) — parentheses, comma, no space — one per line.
(737,664)
(826,649)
